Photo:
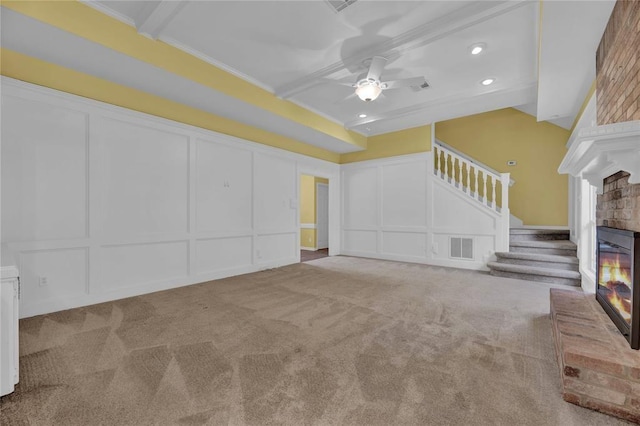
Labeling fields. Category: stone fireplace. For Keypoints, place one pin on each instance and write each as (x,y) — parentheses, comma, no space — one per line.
(594,335)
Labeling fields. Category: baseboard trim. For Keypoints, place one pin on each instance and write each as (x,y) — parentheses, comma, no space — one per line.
(61,304)
(308,248)
(448,263)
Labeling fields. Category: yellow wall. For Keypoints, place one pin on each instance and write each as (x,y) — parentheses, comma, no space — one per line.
(86,22)
(308,208)
(539,195)
(408,141)
(32,70)
(307,199)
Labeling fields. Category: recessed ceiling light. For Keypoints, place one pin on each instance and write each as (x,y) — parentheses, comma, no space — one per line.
(477,48)
(487,81)
(362,115)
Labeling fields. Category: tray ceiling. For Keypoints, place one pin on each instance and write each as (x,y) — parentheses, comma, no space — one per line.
(298,50)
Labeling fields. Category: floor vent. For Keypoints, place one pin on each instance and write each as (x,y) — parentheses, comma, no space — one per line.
(340,5)
(461,248)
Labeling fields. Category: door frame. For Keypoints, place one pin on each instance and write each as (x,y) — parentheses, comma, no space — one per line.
(335,198)
(319,184)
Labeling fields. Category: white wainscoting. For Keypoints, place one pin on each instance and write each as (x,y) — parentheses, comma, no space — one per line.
(100,202)
(395,209)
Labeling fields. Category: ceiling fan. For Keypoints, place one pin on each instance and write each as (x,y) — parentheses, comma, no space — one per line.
(369,86)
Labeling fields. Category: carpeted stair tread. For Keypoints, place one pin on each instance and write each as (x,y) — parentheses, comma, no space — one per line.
(534,270)
(549,258)
(528,231)
(562,244)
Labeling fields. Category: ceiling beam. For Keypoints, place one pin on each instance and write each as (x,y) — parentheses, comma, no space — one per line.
(155,16)
(437,109)
(465,17)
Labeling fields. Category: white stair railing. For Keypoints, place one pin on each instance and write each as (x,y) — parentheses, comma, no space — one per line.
(475,181)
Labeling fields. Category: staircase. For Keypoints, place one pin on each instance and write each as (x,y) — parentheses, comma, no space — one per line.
(478,184)
(544,255)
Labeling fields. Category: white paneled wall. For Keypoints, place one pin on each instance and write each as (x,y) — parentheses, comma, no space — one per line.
(100,202)
(396,209)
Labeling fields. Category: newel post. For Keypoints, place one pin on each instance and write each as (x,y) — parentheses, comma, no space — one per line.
(505,179)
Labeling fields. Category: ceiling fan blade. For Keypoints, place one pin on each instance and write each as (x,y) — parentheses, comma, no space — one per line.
(351,96)
(337,82)
(376,67)
(405,82)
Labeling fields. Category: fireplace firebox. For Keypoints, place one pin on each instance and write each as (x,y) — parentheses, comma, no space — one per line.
(618,276)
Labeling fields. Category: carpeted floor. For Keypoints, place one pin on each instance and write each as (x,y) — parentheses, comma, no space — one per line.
(337,341)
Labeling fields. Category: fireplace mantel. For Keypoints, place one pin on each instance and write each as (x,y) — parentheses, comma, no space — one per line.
(598,152)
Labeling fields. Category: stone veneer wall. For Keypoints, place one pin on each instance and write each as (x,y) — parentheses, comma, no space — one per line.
(618,65)
(619,205)
(618,100)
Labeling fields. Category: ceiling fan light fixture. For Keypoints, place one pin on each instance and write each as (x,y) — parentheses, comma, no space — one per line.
(477,48)
(368,90)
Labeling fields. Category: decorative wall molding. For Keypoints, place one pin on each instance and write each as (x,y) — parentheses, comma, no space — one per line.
(80,271)
(598,152)
(397,209)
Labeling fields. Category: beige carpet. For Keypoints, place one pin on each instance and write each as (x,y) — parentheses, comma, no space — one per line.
(337,341)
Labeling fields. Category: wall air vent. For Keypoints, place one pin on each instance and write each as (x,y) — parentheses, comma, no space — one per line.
(422,87)
(340,5)
(461,248)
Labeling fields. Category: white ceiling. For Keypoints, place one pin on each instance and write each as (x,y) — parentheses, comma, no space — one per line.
(296,49)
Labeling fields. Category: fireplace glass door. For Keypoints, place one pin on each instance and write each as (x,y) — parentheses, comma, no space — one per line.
(614,279)
(618,274)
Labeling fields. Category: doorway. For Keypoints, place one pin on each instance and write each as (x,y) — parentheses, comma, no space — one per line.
(314,217)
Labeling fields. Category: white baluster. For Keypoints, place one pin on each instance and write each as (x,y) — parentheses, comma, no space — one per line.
(460,174)
(436,152)
(446,165)
(475,175)
(493,192)
(468,178)
(484,188)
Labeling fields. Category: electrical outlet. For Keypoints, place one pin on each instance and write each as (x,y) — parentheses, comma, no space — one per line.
(42,281)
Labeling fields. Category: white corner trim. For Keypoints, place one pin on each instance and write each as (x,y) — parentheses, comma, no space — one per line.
(307,226)
(598,152)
